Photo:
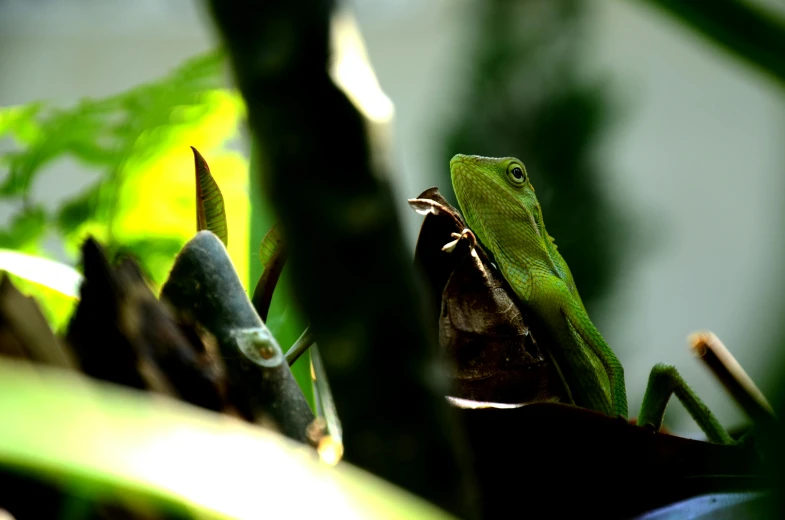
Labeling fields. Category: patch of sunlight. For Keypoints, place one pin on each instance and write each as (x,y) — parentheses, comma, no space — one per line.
(351,70)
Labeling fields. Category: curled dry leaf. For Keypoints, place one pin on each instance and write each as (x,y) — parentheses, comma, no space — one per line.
(492,346)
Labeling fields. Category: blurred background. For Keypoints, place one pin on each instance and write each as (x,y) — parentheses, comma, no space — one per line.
(656,153)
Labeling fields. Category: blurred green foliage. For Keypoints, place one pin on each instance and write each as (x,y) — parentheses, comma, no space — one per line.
(143,200)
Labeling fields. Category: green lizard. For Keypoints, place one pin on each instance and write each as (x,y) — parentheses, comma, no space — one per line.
(498,202)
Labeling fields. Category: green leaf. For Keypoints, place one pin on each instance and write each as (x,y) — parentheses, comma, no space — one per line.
(210,212)
(25,230)
(78,209)
(20,121)
(273,256)
(96,440)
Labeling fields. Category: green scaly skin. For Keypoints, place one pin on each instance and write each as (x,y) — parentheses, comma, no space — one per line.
(499,204)
(505,215)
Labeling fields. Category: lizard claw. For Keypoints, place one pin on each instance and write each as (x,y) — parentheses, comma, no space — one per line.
(466,233)
(450,246)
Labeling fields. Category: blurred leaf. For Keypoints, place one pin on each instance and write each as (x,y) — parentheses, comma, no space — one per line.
(78,210)
(143,201)
(103,442)
(54,275)
(55,306)
(54,285)
(272,254)
(25,333)
(25,231)
(210,212)
(20,122)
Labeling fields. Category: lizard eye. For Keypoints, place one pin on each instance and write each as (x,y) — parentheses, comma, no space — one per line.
(517,174)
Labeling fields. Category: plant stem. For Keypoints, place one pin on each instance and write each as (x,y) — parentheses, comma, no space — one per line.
(203,282)
(300,346)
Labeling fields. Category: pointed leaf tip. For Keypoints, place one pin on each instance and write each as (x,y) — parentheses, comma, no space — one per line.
(210,212)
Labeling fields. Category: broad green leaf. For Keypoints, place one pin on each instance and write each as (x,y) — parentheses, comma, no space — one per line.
(96,440)
(210,213)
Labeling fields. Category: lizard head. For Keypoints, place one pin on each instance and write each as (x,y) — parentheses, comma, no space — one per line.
(498,202)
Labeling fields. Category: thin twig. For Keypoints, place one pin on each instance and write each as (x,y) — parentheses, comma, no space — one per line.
(300,346)
(330,446)
(730,373)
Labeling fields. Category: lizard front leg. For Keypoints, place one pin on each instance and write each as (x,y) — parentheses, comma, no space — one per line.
(665,381)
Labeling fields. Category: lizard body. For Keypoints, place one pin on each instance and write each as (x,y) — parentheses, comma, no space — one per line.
(501,208)
(498,202)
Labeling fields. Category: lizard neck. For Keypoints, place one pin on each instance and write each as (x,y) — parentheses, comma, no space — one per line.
(593,373)
(531,278)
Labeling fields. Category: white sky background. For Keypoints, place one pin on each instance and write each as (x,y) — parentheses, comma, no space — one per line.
(697,155)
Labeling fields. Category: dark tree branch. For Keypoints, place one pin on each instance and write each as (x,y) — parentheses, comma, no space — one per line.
(352,273)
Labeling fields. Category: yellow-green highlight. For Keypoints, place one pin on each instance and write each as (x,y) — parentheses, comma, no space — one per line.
(102,440)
